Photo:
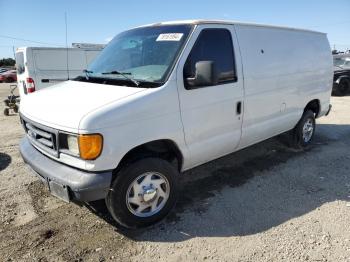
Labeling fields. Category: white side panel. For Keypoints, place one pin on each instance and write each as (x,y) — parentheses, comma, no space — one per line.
(50,65)
(90,56)
(283,70)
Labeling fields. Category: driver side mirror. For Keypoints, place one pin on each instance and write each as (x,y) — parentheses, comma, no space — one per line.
(205,75)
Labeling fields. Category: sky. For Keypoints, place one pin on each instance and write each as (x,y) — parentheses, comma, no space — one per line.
(43,21)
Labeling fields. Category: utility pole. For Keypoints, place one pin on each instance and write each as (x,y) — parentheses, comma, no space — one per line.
(65,20)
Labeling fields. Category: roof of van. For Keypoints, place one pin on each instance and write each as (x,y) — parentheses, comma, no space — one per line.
(205,21)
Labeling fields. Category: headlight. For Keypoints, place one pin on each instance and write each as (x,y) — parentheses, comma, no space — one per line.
(72,143)
(88,147)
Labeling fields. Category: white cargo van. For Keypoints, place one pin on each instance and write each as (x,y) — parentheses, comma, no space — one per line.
(40,67)
(163,98)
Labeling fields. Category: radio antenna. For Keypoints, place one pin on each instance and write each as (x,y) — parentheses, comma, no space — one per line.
(65,20)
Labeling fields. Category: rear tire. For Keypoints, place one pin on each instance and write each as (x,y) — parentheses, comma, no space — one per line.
(6,111)
(342,88)
(143,193)
(304,131)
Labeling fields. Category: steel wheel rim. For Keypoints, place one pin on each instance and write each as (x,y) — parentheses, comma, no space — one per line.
(308,130)
(147,194)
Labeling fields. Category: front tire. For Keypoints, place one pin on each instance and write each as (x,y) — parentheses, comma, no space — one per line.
(304,131)
(143,193)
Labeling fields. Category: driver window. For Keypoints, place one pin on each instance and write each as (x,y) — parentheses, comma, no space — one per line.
(213,45)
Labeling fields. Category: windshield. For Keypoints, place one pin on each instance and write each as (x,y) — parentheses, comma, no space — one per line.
(144,54)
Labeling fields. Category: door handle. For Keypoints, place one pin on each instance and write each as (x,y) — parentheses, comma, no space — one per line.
(239,107)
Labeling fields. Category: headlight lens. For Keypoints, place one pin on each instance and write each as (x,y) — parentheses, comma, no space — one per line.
(72,143)
(90,146)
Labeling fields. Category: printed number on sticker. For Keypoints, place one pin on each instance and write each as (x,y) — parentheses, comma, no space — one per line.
(170,37)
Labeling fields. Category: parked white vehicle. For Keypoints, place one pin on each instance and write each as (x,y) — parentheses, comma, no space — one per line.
(163,98)
(40,67)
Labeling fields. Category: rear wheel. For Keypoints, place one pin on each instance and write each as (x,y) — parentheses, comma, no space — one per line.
(6,111)
(143,193)
(304,131)
(343,87)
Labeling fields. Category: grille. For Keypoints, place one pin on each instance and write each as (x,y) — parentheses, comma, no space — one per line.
(43,137)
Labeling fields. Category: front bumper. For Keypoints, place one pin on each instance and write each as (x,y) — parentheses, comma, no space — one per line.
(78,184)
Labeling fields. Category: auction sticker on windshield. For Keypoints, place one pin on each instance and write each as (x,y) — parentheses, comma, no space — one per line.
(170,37)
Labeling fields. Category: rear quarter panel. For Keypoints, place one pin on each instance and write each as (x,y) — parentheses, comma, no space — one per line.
(283,69)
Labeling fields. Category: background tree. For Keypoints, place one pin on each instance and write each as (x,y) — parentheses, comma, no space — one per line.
(7,62)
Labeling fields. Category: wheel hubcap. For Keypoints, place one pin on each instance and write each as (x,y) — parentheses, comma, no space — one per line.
(147,194)
(308,130)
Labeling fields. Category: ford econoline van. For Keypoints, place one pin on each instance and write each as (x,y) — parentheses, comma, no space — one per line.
(164,98)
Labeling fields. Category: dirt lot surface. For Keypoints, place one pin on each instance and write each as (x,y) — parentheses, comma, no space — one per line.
(264,203)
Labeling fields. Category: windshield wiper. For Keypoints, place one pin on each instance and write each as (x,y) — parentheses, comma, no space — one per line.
(124,74)
(87,72)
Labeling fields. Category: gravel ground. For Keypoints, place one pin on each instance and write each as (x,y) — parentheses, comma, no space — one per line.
(264,203)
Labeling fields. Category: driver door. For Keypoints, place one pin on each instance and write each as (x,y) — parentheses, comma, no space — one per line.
(212,114)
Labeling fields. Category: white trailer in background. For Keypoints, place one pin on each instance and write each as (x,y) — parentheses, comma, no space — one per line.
(40,67)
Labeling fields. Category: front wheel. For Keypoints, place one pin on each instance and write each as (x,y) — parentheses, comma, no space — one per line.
(143,192)
(304,131)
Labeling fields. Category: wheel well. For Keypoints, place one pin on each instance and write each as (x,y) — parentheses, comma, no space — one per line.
(341,77)
(314,106)
(164,149)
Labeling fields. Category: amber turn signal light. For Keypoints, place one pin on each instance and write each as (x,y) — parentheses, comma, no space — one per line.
(90,146)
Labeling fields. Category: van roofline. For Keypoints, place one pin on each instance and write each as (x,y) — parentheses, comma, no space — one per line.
(227,22)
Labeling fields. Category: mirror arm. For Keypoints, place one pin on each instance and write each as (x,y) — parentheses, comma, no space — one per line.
(191,81)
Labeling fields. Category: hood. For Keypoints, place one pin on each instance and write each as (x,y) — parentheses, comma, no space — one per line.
(62,106)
